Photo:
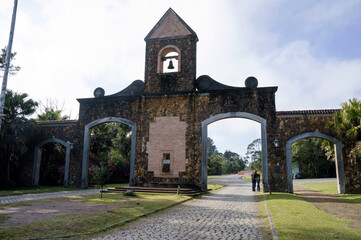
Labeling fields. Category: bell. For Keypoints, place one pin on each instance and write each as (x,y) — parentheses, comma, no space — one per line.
(170,66)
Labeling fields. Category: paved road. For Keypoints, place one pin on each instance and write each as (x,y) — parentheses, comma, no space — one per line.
(229,213)
(313,180)
(29,197)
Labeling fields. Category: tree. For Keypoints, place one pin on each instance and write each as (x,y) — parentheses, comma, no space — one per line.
(12,69)
(347,122)
(101,174)
(235,163)
(254,154)
(218,163)
(311,158)
(211,147)
(17,131)
(115,140)
(50,111)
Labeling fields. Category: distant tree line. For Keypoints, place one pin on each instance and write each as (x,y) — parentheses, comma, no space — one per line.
(223,163)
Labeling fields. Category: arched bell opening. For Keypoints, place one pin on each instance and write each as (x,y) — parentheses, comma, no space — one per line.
(169,60)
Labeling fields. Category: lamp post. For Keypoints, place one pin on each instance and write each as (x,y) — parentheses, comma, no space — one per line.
(7,62)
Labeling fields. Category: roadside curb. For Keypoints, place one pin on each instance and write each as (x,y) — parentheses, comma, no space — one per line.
(273,227)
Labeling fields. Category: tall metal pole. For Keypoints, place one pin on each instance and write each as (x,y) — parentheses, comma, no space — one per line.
(7,62)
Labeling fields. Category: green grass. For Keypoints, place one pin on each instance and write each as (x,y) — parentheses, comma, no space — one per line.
(295,218)
(3,218)
(212,187)
(16,204)
(130,207)
(327,187)
(214,176)
(331,188)
(248,178)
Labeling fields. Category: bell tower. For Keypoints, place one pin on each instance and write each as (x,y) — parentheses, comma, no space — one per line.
(170,60)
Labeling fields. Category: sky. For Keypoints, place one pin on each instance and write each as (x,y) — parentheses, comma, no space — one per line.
(310,49)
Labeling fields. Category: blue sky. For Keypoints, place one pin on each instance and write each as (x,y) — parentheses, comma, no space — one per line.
(309,49)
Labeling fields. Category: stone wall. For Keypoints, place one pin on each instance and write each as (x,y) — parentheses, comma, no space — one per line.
(294,123)
(67,131)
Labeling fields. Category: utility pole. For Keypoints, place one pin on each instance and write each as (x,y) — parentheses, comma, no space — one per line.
(7,62)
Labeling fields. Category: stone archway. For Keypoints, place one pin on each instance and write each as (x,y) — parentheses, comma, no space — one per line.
(37,160)
(339,159)
(221,116)
(86,146)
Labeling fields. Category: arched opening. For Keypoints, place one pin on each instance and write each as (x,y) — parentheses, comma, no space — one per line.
(169,60)
(49,161)
(87,144)
(110,152)
(52,167)
(221,116)
(338,157)
(234,145)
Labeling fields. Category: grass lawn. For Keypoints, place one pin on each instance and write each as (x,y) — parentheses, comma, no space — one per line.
(212,187)
(47,189)
(88,222)
(214,176)
(295,218)
(248,178)
(331,188)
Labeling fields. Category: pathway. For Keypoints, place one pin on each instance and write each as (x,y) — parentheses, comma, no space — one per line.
(230,213)
(29,197)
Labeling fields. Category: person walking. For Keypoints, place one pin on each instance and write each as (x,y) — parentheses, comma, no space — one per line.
(256,178)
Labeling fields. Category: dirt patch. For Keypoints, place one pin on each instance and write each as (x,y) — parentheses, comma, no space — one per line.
(48,209)
(333,205)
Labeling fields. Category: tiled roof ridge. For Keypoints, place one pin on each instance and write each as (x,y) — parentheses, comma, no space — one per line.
(304,112)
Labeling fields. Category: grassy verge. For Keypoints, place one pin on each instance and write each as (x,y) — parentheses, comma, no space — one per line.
(212,187)
(331,188)
(16,204)
(47,189)
(247,178)
(214,176)
(295,218)
(128,207)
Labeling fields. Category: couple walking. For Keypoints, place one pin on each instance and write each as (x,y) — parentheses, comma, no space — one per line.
(256,178)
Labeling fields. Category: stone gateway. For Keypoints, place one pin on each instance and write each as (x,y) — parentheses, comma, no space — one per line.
(169,113)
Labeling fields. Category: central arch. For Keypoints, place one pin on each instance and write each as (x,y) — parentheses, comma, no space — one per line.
(338,154)
(221,116)
(86,146)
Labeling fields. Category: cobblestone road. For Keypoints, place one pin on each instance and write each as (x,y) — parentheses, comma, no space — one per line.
(229,213)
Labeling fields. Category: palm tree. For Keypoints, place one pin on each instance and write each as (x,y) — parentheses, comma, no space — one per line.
(16,130)
(347,122)
(50,112)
